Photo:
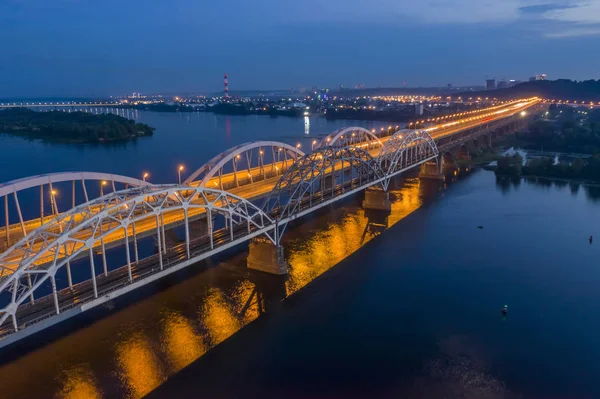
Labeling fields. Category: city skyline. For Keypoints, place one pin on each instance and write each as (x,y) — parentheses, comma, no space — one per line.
(75,48)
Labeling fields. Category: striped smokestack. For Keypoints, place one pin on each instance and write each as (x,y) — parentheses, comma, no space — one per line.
(226,82)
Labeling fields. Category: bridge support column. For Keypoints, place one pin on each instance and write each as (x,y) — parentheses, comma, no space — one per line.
(266,257)
(463,153)
(432,170)
(377,199)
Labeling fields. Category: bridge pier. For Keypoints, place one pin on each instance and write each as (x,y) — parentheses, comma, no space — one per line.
(433,170)
(377,199)
(266,257)
(463,153)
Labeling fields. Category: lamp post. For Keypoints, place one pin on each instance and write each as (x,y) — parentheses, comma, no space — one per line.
(102,184)
(53,194)
(179,170)
(145,176)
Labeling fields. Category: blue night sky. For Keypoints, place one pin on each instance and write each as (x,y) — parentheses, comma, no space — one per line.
(90,47)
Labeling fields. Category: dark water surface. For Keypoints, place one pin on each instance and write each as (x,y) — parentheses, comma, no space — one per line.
(406,306)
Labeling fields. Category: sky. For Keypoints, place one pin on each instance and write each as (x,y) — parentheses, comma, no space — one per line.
(114,47)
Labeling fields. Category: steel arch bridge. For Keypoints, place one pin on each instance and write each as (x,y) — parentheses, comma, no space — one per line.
(121,215)
(302,183)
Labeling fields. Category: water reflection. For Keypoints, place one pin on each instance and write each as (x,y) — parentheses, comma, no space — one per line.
(181,341)
(133,350)
(138,366)
(80,384)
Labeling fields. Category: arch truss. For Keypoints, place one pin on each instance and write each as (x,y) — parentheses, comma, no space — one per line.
(320,176)
(117,219)
(245,164)
(352,136)
(51,195)
(405,149)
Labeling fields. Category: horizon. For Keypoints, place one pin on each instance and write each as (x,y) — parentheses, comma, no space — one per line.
(72,48)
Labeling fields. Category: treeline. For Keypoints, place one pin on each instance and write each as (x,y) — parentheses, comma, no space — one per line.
(72,127)
(579,168)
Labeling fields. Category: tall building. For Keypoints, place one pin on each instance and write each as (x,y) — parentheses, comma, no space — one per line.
(419,109)
(541,76)
(490,84)
(502,84)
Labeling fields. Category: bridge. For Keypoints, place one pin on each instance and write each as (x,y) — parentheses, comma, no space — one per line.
(60,104)
(119,233)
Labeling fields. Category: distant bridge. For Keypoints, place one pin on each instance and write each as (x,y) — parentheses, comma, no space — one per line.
(58,265)
(60,104)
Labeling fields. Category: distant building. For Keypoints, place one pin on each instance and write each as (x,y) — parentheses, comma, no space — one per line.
(449,85)
(418,109)
(490,84)
(502,84)
(541,76)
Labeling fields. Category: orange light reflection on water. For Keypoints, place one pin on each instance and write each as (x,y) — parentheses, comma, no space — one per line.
(139,368)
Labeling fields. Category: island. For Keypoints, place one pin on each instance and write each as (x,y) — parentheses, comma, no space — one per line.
(72,127)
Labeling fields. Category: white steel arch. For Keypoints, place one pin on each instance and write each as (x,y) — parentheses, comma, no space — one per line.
(309,174)
(405,148)
(40,180)
(38,256)
(353,135)
(213,169)
(12,189)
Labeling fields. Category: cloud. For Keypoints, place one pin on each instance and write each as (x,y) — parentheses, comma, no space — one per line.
(544,8)
(582,13)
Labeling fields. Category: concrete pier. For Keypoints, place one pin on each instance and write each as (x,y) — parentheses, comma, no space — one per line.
(377,199)
(266,257)
(432,171)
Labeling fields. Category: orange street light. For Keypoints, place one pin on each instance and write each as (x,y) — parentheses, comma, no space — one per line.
(145,176)
(179,170)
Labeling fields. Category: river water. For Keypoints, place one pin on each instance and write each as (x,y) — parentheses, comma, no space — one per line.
(406,305)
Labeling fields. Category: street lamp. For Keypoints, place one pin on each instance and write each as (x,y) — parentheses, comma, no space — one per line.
(53,194)
(145,176)
(102,184)
(179,170)
(313,145)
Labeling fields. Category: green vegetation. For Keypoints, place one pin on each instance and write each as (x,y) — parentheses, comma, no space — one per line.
(510,165)
(581,169)
(479,157)
(77,127)
(578,169)
(564,129)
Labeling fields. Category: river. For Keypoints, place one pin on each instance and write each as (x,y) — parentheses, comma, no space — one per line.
(406,305)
